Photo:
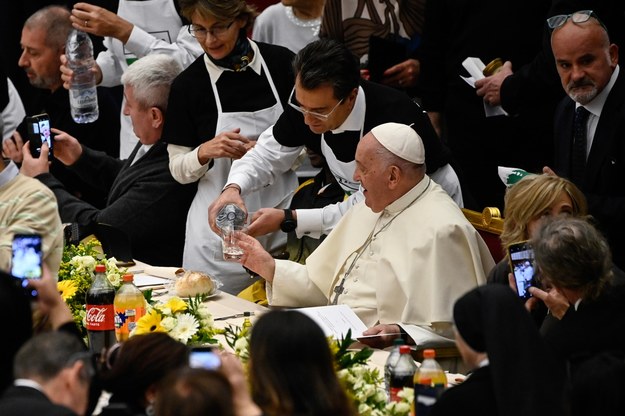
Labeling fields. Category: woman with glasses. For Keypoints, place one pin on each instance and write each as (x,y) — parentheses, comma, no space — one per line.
(217,107)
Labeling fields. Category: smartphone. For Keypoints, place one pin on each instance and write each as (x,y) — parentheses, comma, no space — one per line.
(26,260)
(204,357)
(38,128)
(522,267)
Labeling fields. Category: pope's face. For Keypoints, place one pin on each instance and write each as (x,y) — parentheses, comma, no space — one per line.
(373,173)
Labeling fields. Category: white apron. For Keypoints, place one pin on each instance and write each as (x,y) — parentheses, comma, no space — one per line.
(202,249)
(160,19)
(342,171)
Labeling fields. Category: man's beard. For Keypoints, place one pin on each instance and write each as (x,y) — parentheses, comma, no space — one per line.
(582,97)
(45,83)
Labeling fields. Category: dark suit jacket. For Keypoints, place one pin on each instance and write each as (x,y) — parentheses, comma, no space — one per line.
(19,400)
(143,200)
(604,178)
(596,326)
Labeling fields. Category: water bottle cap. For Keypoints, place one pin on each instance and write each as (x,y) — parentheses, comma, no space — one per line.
(404,349)
(100,268)
(398,341)
(128,277)
(429,353)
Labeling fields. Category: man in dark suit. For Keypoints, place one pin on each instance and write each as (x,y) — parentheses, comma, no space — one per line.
(52,377)
(588,67)
(143,200)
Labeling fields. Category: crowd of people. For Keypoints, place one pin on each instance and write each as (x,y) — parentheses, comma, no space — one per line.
(205,103)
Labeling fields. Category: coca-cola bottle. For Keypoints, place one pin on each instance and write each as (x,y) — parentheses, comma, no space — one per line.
(100,319)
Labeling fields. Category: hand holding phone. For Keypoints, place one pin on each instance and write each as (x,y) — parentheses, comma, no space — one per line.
(39,132)
(522,266)
(26,260)
(204,357)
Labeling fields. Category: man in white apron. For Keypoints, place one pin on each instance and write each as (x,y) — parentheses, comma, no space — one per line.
(340,108)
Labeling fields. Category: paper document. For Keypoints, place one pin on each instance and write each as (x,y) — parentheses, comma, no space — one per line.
(474,67)
(142,279)
(336,320)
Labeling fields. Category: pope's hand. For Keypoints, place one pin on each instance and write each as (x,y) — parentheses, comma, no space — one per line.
(255,257)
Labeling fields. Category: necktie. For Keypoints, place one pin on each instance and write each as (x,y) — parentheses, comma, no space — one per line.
(578,151)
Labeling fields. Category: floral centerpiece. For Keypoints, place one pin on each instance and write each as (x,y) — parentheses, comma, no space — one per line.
(189,321)
(76,274)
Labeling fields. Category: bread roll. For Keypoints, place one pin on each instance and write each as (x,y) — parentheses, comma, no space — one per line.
(194,283)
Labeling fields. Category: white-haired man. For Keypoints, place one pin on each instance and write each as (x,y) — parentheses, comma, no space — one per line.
(143,200)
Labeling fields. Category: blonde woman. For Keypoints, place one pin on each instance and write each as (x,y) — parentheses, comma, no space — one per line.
(529,201)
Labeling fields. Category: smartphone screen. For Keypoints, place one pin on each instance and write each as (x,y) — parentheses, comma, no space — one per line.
(39,133)
(522,264)
(26,260)
(204,357)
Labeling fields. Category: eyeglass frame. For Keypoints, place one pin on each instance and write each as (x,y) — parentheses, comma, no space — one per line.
(319,116)
(557,21)
(221,31)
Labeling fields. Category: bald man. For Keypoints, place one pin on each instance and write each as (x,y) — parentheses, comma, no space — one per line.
(590,146)
(399,259)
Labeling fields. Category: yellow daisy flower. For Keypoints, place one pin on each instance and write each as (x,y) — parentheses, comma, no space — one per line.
(67,288)
(150,322)
(175,304)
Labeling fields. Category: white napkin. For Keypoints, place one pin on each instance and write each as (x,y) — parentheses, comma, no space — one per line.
(474,67)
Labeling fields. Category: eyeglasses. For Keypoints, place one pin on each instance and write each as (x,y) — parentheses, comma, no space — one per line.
(319,116)
(581,16)
(215,31)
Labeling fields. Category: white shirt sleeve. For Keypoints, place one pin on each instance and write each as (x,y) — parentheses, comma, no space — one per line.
(185,50)
(184,164)
(263,163)
(319,221)
(109,65)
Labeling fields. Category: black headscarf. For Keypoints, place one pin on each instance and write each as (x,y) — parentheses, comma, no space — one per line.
(525,377)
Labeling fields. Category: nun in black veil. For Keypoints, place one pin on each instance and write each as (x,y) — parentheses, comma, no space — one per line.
(513,371)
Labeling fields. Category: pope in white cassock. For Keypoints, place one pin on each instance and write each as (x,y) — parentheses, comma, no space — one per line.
(399,259)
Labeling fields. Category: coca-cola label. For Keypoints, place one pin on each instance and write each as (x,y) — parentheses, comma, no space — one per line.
(100,318)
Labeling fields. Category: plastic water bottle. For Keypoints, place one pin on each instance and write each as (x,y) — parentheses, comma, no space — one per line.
(83,96)
(391,361)
(402,374)
(429,383)
(129,308)
(230,215)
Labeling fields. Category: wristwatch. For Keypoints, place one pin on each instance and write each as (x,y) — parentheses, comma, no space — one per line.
(289,223)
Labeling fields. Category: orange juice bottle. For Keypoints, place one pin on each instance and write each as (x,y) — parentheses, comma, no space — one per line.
(129,308)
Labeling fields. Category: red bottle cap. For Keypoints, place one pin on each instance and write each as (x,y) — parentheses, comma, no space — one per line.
(100,268)
(404,349)
(429,353)
(128,277)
